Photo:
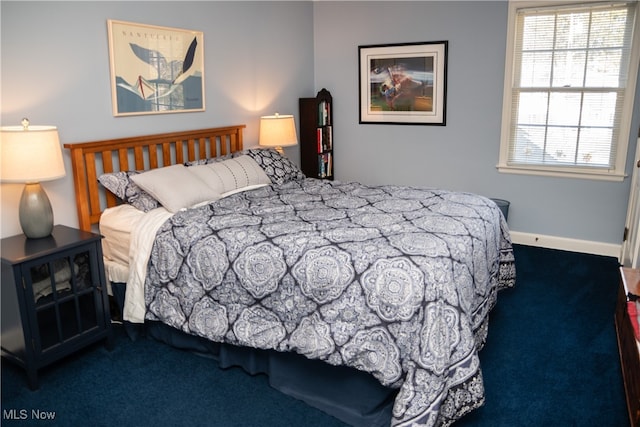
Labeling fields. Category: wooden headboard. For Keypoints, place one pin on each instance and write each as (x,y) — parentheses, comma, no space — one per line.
(91,159)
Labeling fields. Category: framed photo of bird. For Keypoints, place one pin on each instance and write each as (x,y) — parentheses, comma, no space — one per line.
(403,83)
(155,69)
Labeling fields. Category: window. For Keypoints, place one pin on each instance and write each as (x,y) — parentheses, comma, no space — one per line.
(569,89)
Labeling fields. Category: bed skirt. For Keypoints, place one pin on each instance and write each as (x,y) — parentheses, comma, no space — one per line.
(352,396)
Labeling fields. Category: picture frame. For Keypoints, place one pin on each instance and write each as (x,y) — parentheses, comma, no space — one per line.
(403,83)
(154,69)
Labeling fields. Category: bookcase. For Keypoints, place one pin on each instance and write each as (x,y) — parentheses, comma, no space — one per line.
(316,136)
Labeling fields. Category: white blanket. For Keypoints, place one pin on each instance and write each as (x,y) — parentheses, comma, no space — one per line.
(142,237)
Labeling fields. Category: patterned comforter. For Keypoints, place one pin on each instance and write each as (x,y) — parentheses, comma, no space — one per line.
(395,281)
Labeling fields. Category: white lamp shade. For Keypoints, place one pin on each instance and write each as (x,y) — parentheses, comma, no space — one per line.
(277,131)
(31,154)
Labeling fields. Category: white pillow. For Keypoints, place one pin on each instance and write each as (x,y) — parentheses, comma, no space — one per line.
(232,174)
(175,187)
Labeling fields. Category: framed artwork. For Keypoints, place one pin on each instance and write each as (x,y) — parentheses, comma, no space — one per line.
(403,83)
(155,69)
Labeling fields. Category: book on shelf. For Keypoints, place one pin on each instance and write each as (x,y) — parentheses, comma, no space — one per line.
(324,139)
(324,113)
(325,165)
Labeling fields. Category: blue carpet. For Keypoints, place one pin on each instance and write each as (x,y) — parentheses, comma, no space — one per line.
(550,360)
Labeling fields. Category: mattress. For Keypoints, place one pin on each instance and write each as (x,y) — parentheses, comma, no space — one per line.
(116,225)
(126,231)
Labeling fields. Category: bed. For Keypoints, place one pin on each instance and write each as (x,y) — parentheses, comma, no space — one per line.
(368,302)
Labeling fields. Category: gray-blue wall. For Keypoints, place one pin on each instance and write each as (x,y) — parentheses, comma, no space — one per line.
(261,56)
(55,70)
(462,155)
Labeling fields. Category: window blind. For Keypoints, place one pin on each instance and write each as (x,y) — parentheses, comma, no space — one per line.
(569,84)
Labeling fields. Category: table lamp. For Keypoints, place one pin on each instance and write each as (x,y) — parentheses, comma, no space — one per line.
(32,154)
(277,131)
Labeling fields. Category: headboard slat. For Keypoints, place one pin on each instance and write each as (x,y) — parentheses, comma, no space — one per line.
(223,147)
(166,152)
(213,147)
(138,155)
(153,156)
(202,146)
(90,159)
(123,159)
(179,152)
(236,141)
(107,161)
(107,166)
(92,179)
(191,149)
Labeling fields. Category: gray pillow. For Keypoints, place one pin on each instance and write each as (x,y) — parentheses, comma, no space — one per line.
(176,187)
(231,174)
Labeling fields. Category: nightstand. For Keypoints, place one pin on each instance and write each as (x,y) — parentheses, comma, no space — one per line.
(54,298)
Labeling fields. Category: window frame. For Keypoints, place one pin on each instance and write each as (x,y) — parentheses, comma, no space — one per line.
(617,173)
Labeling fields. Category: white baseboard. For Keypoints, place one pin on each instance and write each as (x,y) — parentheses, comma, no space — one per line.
(567,244)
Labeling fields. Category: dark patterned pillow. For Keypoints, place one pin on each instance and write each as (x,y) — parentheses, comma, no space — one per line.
(277,167)
(120,184)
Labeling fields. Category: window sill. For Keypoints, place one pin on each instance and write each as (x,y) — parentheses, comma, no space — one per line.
(562,173)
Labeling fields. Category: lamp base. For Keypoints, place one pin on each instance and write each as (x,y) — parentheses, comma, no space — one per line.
(35,212)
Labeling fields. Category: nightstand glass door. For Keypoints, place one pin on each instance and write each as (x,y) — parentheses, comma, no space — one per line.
(65,291)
